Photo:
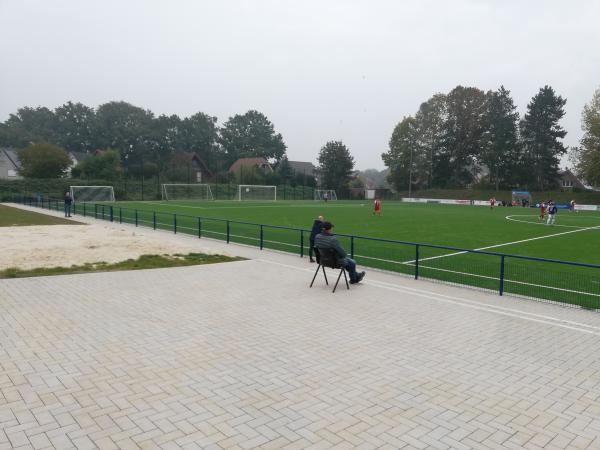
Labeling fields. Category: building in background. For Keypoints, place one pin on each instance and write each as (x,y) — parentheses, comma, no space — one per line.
(9,164)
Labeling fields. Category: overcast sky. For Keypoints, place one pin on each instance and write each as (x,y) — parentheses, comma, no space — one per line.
(319,69)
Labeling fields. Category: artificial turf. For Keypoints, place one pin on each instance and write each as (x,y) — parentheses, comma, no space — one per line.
(387,241)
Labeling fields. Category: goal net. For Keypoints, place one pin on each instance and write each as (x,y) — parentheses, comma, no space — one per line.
(92,193)
(191,191)
(325,194)
(252,192)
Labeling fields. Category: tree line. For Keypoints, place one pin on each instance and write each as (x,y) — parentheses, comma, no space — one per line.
(469,136)
(142,138)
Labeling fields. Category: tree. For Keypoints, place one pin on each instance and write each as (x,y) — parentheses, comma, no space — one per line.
(335,165)
(500,145)
(402,154)
(28,126)
(251,134)
(541,137)
(126,128)
(587,157)
(199,133)
(284,170)
(104,165)
(43,161)
(463,131)
(431,118)
(74,127)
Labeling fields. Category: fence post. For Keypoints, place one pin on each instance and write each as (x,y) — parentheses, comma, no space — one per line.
(136,218)
(228,231)
(301,243)
(199,228)
(95,210)
(352,247)
(111,212)
(84,209)
(502,275)
(261,236)
(120,215)
(417,262)
(154,220)
(175,223)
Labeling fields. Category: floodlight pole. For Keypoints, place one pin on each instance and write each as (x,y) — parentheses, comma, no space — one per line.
(410,173)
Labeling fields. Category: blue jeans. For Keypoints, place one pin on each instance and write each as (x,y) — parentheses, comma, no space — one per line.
(350,266)
(67,209)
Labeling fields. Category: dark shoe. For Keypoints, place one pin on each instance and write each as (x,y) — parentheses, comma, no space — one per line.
(312,260)
(360,277)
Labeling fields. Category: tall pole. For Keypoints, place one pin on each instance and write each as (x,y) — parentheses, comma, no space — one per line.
(410,173)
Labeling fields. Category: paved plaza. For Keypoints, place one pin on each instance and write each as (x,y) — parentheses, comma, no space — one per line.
(244,355)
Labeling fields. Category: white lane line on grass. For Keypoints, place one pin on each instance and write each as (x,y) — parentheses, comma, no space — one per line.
(510,312)
(507,243)
(538,223)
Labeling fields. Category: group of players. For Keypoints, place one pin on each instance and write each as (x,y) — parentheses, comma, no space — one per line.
(546,209)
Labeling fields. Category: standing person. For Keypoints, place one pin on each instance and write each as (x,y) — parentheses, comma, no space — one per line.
(68,202)
(572,205)
(317,228)
(326,196)
(377,207)
(542,210)
(328,240)
(492,202)
(551,213)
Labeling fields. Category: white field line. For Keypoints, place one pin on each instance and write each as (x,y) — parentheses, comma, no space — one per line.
(508,243)
(511,312)
(540,223)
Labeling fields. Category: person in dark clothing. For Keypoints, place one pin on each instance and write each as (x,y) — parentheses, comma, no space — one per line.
(328,240)
(316,229)
(68,202)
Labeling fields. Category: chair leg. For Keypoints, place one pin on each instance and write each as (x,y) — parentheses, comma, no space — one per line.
(325,275)
(338,280)
(346,278)
(316,273)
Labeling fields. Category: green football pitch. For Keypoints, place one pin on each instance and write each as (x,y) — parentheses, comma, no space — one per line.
(516,231)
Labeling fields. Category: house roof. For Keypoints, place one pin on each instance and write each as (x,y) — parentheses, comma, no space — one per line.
(248,162)
(302,167)
(12,157)
(201,163)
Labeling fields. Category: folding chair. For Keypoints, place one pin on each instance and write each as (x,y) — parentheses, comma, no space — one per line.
(327,257)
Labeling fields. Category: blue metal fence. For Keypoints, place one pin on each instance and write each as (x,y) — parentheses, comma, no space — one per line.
(562,281)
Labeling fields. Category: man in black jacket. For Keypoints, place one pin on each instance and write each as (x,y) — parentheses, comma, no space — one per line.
(316,229)
(328,240)
(68,201)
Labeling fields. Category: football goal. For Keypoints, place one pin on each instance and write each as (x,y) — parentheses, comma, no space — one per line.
(325,194)
(92,193)
(190,191)
(252,192)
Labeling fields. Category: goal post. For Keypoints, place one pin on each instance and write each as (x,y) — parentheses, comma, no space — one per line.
(256,192)
(92,193)
(186,191)
(325,194)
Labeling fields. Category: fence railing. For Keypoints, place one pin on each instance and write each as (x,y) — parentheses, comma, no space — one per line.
(561,281)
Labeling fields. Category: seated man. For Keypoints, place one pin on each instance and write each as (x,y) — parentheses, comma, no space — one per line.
(328,240)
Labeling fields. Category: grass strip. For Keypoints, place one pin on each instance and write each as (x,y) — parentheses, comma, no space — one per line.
(143,262)
(13,217)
